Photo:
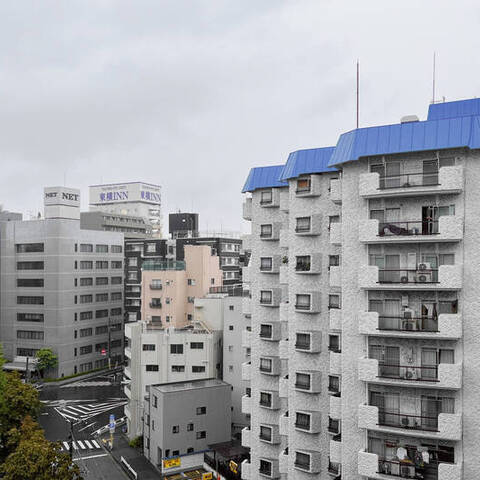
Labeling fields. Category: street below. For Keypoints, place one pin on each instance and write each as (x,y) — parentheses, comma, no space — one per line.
(86,404)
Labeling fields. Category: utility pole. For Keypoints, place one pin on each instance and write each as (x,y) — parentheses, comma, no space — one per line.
(70,440)
(109,350)
(26,371)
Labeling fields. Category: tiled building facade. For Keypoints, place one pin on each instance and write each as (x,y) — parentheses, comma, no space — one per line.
(364,335)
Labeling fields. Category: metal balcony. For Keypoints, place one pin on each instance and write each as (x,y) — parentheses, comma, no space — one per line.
(443,375)
(444,426)
(449,228)
(446,181)
(371,466)
(445,326)
(446,277)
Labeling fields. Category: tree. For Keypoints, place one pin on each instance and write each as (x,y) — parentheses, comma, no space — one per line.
(46,360)
(35,458)
(17,400)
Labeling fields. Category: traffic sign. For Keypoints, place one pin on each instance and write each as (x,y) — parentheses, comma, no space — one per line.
(111,423)
(103,352)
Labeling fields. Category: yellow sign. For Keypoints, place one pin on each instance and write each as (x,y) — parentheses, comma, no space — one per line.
(207,476)
(171,462)
(233,466)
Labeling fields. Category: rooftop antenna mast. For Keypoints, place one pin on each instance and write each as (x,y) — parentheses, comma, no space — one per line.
(433,79)
(358,90)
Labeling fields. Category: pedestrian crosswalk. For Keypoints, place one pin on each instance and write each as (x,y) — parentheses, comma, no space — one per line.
(81,445)
(81,412)
(93,383)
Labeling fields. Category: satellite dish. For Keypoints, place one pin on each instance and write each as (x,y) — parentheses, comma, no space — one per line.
(401,453)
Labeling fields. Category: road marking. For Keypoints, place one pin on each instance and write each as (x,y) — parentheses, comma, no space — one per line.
(95,443)
(82,446)
(89,425)
(91,456)
(67,447)
(88,444)
(74,445)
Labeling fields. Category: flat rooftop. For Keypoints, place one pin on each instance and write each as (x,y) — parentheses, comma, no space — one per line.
(189,385)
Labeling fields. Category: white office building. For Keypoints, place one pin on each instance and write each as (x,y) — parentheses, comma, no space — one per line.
(133,199)
(61,288)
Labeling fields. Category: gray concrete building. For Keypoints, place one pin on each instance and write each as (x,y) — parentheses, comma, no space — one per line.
(184,418)
(364,257)
(61,287)
(130,226)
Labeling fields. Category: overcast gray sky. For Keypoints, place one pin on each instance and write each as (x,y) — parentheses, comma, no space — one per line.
(192,94)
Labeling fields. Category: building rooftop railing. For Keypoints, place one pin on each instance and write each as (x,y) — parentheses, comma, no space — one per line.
(158,265)
(231,290)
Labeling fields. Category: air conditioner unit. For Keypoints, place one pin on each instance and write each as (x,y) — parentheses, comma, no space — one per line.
(424,266)
(404,300)
(404,279)
(408,314)
(408,325)
(424,276)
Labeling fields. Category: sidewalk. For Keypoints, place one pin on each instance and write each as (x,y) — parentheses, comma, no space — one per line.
(137,461)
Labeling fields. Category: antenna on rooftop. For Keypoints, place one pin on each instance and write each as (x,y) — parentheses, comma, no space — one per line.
(433,79)
(358,89)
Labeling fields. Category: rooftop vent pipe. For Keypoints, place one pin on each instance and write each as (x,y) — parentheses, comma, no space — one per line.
(409,119)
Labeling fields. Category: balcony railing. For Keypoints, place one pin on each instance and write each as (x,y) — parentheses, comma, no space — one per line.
(422,227)
(302,466)
(154,286)
(334,468)
(158,265)
(155,305)
(302,386)
(302,307)
(407,180)
(302,346)
(410,422)
(302,229)
(302,426)
(397,469)
(303,267)
(403,324)
(403,275)
(409,372)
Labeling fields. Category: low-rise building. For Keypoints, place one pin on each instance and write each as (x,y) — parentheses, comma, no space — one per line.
(158,355)
(182,419)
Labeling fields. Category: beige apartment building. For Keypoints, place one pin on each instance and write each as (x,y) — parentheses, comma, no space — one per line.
(364,331)
(167,345)
(169,287)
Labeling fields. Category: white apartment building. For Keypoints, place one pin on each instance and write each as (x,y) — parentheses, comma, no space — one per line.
(224,309)
(210,347)
(369,272)
(156,355)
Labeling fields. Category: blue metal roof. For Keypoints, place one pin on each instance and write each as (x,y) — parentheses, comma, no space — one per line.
(312,160)
(263,177)
(460,108)
(407,137)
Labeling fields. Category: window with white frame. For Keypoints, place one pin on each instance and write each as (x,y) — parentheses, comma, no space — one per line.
(266,230)
(266,297)
(303,224)
(266,197)
(266,264)
(303,301)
